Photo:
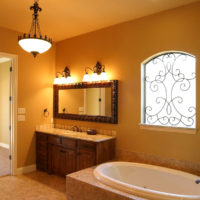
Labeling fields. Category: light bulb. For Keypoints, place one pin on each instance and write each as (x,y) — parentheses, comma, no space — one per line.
(69,79)
(86,77)
(103,76)
(95,77)
(56,81)
(62,80)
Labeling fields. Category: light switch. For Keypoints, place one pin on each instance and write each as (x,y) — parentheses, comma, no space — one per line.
(21,110)
(21,118)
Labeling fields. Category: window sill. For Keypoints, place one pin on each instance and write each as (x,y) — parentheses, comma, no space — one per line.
(168,129)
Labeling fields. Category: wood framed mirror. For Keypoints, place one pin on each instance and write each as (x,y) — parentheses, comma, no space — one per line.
(96,102)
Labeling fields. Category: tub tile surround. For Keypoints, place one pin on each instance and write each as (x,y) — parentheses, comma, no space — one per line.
(83,185)
(191,167)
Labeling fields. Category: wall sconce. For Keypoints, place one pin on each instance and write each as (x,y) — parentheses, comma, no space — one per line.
(64,77)
(98,74)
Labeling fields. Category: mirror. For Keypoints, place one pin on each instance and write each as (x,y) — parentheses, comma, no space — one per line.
(87,101)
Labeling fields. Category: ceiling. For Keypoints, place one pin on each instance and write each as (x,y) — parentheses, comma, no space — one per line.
(4,59)
(61,19)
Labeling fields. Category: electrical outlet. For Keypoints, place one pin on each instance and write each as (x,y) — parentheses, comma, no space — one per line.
(21,118)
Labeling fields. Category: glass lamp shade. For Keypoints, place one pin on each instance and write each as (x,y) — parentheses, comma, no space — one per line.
(35,45)
(69,80)
(63,80)
(95,77)
(86,77)
(56,81)
(103,76)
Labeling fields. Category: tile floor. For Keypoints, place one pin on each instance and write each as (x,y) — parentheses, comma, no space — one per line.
(33,186)
(4,162)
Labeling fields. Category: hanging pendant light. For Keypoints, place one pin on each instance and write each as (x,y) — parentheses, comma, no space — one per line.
(34,42)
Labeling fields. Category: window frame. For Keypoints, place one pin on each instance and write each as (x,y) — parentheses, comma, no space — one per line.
(142,124)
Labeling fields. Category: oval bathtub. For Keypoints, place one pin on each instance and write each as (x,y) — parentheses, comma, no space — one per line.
(149,181)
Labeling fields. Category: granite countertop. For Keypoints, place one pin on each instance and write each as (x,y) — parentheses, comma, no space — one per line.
(74,134)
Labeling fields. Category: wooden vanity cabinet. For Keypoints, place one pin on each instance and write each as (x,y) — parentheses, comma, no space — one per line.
(61,155)
(41,152)
(61,160)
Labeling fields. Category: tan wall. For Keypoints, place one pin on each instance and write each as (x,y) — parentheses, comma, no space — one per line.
(122,48)
(92,101)
(35,79)
(71,100)
(107,102)
(4,101)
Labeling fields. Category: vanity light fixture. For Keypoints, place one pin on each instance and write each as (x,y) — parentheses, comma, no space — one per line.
(63,77)
(33,42)
(98,74)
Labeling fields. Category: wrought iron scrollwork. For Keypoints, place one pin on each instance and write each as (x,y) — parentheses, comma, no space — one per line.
(169,79)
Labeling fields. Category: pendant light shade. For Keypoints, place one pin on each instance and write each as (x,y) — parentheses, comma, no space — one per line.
(69,79)
(34,45)
(86,77)
(95,77)
(34,42)
(103,76)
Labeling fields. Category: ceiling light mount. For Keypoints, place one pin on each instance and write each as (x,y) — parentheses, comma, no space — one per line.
(34,42)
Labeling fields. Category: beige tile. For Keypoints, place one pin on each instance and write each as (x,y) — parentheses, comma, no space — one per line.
(82,185)
(32,186)
(129,156)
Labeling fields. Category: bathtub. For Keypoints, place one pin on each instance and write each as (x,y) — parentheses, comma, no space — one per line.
(149,181)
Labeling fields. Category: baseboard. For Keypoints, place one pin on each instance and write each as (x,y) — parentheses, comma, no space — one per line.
(4,145)
(27,169)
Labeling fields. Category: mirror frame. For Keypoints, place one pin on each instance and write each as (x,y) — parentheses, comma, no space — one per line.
(104,119)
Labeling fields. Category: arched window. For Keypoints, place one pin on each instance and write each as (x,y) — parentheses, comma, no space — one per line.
(169,90)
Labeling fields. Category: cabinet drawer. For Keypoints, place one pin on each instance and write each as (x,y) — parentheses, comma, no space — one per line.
(52,139)
(90,146)
(41,138)
(69,143)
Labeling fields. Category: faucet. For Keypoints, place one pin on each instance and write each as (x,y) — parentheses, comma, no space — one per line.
(75,128)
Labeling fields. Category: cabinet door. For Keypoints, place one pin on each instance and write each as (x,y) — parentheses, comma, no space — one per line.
(55,159)
(62,160)
(85,159)
(67,161)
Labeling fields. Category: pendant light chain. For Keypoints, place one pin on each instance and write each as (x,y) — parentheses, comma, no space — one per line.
(35,27)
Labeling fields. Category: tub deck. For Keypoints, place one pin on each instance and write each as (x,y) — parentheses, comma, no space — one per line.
(82,185)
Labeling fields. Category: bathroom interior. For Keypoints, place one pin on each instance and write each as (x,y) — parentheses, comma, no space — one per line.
(105,105)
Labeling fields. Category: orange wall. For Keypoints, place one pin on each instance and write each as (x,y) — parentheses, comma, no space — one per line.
(122,48)
(35,78)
